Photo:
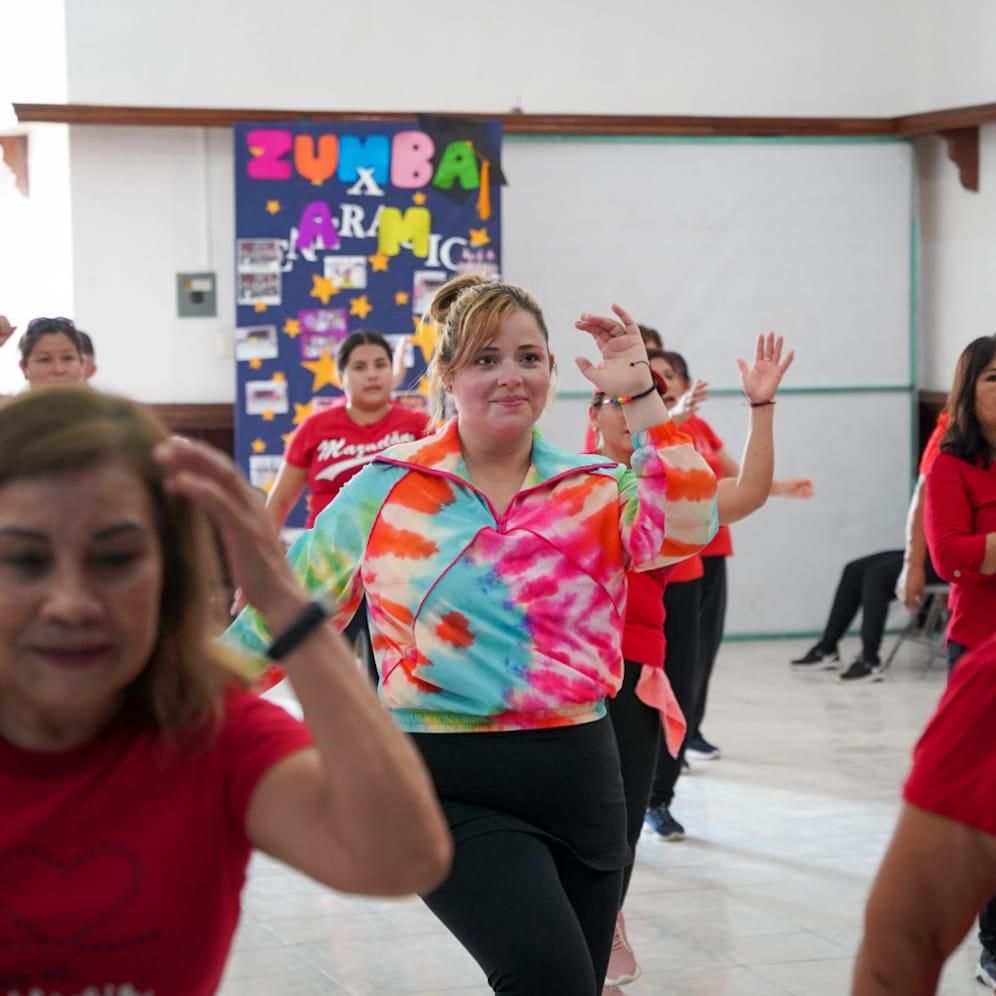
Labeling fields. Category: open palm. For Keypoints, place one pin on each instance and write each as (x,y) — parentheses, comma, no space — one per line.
(760,381)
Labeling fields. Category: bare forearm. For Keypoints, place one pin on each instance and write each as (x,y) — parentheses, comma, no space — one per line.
(989,560)
(748,491)
(379,802)
(916,539)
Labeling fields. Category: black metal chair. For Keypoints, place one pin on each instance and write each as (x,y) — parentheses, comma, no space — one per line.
(927,627)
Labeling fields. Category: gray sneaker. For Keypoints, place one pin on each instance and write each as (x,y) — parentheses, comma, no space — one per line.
(985,971)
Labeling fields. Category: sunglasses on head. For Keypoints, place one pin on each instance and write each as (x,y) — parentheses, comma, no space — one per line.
(57,324)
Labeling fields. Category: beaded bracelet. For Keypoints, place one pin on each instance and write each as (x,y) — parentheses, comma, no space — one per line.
(625,399)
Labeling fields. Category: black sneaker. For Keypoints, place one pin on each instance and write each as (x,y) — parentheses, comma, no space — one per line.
(861,670)
(700,748)
(817,659)
(660,820)
(985,971)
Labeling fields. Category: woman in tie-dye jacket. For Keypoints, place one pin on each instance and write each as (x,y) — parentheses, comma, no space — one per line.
(494,567)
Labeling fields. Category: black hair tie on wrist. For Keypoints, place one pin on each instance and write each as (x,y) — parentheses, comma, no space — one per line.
(760,404)
(299,630)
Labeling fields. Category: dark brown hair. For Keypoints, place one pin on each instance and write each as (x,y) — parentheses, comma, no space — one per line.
(65,429)
(964,437)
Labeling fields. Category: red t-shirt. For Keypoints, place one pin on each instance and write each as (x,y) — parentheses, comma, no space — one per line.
(708,445)
(643,629)
(121,861)
(933,446)
(960,510)
(332,447)
(954,764)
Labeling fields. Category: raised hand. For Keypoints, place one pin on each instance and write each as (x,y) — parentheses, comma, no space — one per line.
(760,381)
(688,404)
(251,543)
(623,368)
(6,329)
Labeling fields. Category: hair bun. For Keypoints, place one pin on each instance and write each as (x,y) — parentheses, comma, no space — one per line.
(446,296)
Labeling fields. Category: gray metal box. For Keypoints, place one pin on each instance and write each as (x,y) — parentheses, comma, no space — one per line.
(196,295)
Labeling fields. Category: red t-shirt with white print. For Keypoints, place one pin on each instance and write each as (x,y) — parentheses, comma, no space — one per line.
(122,861)
(332,447)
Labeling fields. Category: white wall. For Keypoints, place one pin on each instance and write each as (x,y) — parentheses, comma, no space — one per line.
(627,57)
(36,259)
(149,203)
(957,257)
(956,54)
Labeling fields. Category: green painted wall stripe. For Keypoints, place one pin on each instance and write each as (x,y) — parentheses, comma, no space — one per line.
(735,392)
(795,635)
(637,139)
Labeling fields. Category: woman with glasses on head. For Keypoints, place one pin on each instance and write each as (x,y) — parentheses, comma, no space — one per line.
(51,352)
(660,617)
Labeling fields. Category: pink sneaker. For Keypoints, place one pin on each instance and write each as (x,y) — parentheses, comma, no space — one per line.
(623,967)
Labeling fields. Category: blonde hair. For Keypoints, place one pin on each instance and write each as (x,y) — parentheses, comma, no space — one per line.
(469,311)
(65,429)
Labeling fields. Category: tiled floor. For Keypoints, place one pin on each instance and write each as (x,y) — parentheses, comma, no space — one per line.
(764,897)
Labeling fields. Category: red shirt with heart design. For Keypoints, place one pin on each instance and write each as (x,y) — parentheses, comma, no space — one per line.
(122,861)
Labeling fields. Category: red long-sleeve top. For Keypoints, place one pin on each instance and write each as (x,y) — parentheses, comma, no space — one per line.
(960,511)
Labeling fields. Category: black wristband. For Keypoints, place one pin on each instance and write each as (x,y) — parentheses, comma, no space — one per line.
(298,631)
(759,404)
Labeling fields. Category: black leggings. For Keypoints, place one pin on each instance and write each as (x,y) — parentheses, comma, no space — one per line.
(537,920)
(638,734)
(712,619)
(357,632)
(538,823)
(682,601)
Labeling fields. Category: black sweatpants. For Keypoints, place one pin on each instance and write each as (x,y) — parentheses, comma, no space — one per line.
(535,919)
(638,734)
(682,603)
(712,619)
(538,823)
(868,584)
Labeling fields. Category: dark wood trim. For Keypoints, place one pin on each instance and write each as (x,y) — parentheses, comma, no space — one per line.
(945,120)
(514,123)
(195,417)
(15,155)
(963,151)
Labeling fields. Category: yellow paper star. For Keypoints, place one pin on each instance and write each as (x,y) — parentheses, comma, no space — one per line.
(256,151)
(258,446)
(424,337)
(418,198)
(402,297)
(286,437)
(279,377)
(255,363)
(424,387)
(360,306)
(272,207)
(378,262)
(301,412)
(292,327)
(479,237)
(324,370)
(260,306)
(323,288)
(268,415)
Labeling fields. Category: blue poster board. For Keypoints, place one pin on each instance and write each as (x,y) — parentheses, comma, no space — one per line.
(341,227)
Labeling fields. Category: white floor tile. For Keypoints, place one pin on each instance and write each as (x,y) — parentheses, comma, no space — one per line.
(764,898)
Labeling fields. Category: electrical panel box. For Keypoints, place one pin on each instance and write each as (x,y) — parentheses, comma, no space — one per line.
(196,295)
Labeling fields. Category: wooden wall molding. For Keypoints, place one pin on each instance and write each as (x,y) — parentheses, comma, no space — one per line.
(15,155)
(514,122)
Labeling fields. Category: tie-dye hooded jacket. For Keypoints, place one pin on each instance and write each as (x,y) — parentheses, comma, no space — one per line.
(486,622)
